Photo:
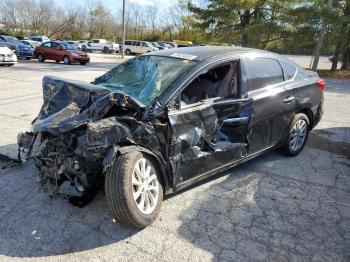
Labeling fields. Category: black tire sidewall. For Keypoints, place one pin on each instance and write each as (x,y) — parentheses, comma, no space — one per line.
(122,174)
(43,58)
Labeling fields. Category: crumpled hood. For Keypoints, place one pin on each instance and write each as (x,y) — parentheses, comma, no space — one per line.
(69,104)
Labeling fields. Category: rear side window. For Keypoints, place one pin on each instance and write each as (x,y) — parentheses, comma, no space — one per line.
(289,69)
(128,42)
(47,45)
(261,72)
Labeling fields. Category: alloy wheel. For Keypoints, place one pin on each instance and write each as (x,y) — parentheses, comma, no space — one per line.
(298,135)
(40,58)
(66,60)
(145,186)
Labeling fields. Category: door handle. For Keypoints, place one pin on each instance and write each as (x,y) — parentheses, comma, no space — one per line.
(240,120)
(289,100)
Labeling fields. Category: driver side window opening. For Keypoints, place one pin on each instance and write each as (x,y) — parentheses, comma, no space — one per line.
(220,81)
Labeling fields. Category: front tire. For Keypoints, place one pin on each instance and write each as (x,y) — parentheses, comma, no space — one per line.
(66,60)
(133,190)
(127,52)
(297,135)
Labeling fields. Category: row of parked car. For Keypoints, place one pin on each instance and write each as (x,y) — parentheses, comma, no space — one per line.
(130,46)
(41,48)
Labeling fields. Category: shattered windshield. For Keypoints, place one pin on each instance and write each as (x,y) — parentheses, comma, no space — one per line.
(146,77)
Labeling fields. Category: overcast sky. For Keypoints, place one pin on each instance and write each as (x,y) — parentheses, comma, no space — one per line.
(114,5)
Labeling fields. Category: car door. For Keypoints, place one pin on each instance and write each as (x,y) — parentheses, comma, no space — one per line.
(199,143)
(273,107)
(144,48)
(207,135)
(56,52)
(47,51)
(137,47)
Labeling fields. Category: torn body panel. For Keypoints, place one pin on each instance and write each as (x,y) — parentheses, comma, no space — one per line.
(208,135)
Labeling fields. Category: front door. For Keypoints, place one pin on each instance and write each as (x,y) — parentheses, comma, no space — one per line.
(47,50)
(56,52)
(208,135)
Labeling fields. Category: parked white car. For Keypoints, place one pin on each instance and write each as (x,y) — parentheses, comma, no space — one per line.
(138,47)
(39,38)
(77,44)
(7,56)
(100,45)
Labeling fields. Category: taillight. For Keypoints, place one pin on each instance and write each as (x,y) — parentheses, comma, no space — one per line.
(321,84)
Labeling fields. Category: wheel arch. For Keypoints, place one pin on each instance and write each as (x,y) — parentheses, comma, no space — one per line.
(114,152)
(310,115)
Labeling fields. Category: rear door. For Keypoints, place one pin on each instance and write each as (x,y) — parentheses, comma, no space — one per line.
(273,106)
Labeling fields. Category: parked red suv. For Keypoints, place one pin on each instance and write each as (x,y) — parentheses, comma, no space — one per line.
(60,51)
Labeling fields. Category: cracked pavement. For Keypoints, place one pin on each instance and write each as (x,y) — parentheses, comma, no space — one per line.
(272,208)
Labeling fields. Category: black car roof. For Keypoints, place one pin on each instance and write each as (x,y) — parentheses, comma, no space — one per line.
(200,53)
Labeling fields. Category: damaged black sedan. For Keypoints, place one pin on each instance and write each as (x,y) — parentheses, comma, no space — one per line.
(165,120)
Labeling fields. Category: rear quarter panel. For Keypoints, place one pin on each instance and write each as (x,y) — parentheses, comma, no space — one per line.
(308,95)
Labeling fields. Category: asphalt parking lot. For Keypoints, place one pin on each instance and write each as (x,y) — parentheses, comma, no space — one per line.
(272,208)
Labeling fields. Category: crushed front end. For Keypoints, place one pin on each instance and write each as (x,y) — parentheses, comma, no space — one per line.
(76,127)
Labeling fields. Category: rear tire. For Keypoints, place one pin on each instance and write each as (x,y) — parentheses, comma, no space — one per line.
(298,134)
(133,190)
(105,50)
(127,52)
(83,63)
(41,58)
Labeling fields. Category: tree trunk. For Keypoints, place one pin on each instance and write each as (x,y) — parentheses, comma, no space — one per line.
(336,55)
(341,45)
(320,41)
(346,52)
(245,20)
